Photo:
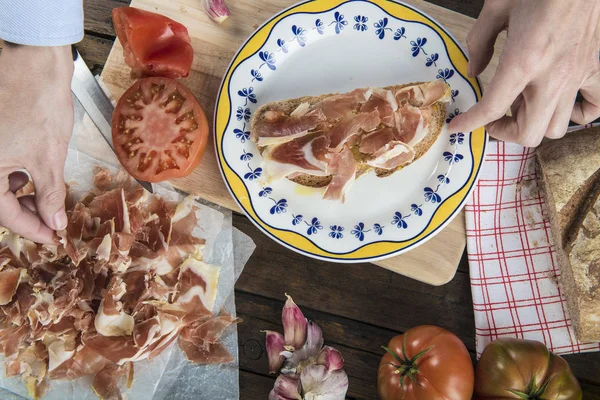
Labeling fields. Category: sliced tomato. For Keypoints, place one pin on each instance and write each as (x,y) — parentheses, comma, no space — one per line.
(153,44)
(159,130)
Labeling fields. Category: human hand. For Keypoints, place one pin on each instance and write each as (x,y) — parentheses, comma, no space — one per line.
(36,122)
(551,52)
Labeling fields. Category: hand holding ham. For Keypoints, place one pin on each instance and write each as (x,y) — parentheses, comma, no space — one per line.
(36,122)
(550,54)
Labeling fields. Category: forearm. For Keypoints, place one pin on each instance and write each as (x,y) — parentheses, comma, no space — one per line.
(23,65)
(41,22)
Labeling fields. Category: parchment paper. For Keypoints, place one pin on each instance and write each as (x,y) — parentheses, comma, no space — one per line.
(170,375)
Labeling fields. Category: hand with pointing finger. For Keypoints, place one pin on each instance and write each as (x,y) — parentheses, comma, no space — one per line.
(551,53)
(36,122)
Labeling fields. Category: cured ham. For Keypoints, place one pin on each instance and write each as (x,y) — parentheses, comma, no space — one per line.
(338,106)
(282,129)
(305,154)
(343,168)
(350,126)
(374,141)
(384,103)
(126,281)
(321,141)
(9,281)
(392,155)
(424,94)
(409,122)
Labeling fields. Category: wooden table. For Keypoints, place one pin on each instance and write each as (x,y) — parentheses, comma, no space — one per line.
(359,307)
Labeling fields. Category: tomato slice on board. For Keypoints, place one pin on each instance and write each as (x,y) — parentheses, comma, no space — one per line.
(159,130)
(153,44)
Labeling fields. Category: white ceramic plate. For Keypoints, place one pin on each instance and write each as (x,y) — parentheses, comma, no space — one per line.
(330,46)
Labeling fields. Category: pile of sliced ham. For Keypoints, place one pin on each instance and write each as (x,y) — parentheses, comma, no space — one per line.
(126,281)
(343,135)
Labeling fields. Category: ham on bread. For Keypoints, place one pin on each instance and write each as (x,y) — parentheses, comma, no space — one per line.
(331,140)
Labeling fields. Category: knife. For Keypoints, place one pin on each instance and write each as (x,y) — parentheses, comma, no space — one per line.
(95,102)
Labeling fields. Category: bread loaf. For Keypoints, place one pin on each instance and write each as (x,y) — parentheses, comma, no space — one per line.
(569,177)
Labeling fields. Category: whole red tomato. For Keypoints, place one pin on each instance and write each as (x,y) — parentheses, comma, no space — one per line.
(426,363)
(523,369)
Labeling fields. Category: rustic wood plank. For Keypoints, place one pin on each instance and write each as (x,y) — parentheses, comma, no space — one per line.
(470,8)
(254,386)
(98,15)
(93,50)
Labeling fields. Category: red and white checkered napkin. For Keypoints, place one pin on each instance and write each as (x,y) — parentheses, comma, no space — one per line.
(512,263)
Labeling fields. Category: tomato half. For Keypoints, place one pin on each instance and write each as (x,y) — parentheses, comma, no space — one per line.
(426,363)
(523,369)
(159,130)
(153,45)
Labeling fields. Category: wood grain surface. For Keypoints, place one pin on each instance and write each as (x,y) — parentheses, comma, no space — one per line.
(434,262)
(359,307)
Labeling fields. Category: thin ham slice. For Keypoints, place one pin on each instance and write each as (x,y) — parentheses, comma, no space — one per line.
(425,94)
(300,152)
(106,382)
(392,155)
(85,362)
(9,282)
(350,126)
(303,155)
(284,129)
(343,168)
(384,103)
(111,320)
(213,353)
(340,105)
(374,141)
(209,331)
(408,120)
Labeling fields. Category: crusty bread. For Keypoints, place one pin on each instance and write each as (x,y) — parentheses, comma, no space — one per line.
(569,180)
(288,106)
(563,169)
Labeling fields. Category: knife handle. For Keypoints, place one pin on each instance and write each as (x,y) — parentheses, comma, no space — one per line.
(74,52)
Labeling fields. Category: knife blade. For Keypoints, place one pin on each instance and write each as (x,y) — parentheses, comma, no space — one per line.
(94,101)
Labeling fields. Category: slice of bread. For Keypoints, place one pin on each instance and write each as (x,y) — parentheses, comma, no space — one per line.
(286,107)
(569,180)
(569,168)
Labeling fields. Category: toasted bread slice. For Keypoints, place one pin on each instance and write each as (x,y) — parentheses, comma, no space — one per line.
(435,128)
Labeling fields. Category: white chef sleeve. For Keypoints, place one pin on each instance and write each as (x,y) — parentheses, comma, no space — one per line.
(41,22)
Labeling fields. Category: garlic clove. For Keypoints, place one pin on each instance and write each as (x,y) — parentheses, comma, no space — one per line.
(286,388)
(216,10)
(308,353)
(318,383)
(331,359)
(274,344)
(294,325)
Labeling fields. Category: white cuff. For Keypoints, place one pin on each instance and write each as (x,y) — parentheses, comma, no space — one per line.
(41,22)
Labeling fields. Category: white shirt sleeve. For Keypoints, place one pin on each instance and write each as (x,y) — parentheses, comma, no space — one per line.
(41,22)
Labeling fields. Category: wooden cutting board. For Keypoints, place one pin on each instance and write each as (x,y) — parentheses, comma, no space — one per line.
(434,262)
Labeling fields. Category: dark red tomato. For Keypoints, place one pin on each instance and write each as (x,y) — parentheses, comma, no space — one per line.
(159,130)
(426,363)
(523,369)
(153,44)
